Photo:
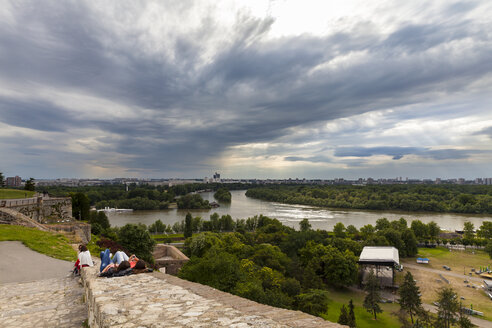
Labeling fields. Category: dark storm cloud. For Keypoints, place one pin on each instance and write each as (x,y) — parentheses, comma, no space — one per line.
(35,115)
(252,89)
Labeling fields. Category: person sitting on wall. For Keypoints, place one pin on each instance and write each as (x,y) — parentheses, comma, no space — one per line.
(84,259)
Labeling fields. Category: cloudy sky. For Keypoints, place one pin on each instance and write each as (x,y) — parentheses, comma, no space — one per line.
(314,89)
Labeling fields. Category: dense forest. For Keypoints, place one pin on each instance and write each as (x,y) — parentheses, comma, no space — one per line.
(427,198)
(265,261)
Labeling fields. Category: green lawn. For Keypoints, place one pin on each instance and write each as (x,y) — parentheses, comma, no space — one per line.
(51,244)
(458,261)
(362,317)
(15,193)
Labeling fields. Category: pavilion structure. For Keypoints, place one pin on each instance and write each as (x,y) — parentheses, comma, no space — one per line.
(383,260)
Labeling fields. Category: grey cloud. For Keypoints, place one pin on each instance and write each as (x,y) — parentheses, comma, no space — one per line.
(396,152)
(35,115)
(485,131)
(399,152)
(312,159)
(72,48)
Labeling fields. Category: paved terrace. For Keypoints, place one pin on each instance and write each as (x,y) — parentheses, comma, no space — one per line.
(161,300)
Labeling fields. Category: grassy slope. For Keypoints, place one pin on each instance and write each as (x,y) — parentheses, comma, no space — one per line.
(51,244)
(14,193)
(363,318)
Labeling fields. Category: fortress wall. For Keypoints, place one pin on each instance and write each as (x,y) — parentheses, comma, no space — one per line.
(40,208)
(161,300)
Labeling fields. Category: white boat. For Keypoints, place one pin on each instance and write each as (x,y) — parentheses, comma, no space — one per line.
(115,210)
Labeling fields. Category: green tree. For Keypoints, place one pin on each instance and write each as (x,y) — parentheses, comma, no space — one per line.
(447,308)
(382,224)
(352,230)
(343,318)
(488,248)
(99,218)
(157,227)
(137,240)
(373,297)
(420,229)
(314,301)
(192,201)
(226,223)
(485,230)
(469,231)
(30,185)
(433,229)
(2,180)
(223,195)
(409,296)
(217,268)
(80,206)
(304,225)
(410,242)
(352,323)
(339,230)
(188,229)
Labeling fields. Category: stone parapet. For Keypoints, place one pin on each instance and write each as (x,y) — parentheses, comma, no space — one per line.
(161,300)
(169,257)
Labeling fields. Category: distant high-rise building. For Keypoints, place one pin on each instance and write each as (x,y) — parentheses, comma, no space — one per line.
(13,181)
(216,177)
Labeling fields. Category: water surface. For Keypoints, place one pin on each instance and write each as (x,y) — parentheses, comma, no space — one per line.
(242,207)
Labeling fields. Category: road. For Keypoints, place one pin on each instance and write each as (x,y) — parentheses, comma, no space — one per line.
(443,272)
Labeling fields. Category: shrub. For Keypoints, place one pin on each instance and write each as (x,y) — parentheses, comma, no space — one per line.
(136,238)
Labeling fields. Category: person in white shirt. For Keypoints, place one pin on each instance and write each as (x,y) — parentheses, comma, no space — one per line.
(84,258)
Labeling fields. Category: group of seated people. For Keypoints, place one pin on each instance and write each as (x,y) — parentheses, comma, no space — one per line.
(120,264)
(111,266)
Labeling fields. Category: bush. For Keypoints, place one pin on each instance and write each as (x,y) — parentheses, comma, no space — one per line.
(137,240)
(314,302)
(96,229)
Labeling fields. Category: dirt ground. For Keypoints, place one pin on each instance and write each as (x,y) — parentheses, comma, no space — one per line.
(430,282)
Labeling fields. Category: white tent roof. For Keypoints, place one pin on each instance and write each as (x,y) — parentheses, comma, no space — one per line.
(379,254)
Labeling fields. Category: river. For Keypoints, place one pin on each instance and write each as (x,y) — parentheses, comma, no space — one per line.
(242,207)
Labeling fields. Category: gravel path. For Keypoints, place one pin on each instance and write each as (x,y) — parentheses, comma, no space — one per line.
(21,264)
(29,299)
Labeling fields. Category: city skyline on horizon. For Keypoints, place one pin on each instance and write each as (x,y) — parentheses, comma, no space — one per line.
(250,89)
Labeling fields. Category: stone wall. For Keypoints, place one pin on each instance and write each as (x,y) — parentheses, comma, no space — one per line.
(40,208)
(169,257)
(80,231)
(161,300)
(11,216)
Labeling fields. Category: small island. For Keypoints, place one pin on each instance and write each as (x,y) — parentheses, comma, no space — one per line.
(192,201)
(223,195)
